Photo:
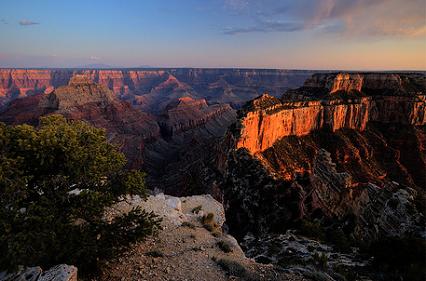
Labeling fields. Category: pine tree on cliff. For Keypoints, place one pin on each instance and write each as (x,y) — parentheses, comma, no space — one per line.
(55,182)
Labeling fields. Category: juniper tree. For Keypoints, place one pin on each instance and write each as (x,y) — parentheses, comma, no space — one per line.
(56,180)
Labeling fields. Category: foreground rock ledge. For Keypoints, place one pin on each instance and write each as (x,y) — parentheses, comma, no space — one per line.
(61,272)
(185,249)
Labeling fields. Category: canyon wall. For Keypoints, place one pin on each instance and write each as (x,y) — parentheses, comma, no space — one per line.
(346,103)
(168,145)
(367,82)
(344,151)
(128,128)
(186,113)
(152,89)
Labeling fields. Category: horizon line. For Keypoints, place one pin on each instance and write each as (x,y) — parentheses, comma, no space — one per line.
(197,67)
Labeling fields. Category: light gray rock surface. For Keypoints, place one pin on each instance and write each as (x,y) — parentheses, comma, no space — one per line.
(173,210)
(61,272)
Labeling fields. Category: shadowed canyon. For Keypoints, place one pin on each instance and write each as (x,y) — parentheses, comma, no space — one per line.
(294,156)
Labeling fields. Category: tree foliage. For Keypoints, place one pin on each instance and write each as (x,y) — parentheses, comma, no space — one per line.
(55,182)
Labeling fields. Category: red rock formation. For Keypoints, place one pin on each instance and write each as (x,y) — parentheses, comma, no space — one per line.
(357,82)
(151,90)
(21,82)
(342,150)
(127,127)
(268,119)
(190,129)
(187,113)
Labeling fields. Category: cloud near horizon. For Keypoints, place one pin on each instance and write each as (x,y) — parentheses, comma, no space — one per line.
(347,17)
(27,22)
(266,26)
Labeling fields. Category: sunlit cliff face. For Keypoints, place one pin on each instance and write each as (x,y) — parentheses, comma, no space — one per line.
(269,120)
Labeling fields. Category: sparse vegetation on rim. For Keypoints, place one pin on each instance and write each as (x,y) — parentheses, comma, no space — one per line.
(55,182)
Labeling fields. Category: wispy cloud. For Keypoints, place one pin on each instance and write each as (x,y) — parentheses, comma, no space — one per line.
(236,4)
(3,21)
(266,26)
(354,17)
(27,22)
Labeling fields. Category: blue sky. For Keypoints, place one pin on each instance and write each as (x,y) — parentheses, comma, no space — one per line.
(303,34)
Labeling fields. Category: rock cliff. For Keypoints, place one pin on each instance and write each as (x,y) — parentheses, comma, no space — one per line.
(61,272)
(82,99)
(187,113)
(185,249)
(333,102)
(191,131)
(342,149)
(152,89)
(177,138)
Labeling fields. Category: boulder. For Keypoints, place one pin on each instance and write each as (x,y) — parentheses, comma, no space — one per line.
(27,274)
(173,210)
(61,272)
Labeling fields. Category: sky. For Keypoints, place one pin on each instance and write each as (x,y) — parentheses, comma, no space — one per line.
(286,34)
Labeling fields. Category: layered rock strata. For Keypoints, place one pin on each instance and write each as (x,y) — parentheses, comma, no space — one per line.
(152,89)
(177,139)
(341,103)
(128,128)
(341,149)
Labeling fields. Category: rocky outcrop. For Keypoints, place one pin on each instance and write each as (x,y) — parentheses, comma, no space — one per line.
(152,89)
(163,144)
(173,210)
(262,127)
(185,249)
(60,272)
(23,82)
(363,182)
(369,83)
(380,210)
(311,107)
(82,99)
(341,149)
(187,113)
(303,256)
(191,131)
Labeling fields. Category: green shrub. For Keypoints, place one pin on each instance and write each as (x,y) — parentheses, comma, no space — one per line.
(208,219)
(197,209)
(55,182)
(155,254)
(224,246)
(321,260)
(312,230)
(339,239)
(232,267)
(188,224)
(209,224)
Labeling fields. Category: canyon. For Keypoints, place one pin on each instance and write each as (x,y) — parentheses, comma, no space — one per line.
(308,109)
(345,152)
(342,146)
(152,89)
(341,159)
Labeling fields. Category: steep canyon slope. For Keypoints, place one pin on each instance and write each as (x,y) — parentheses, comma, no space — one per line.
(346,147)
(152,89)
(128,128)
(171,118)
(162,144)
